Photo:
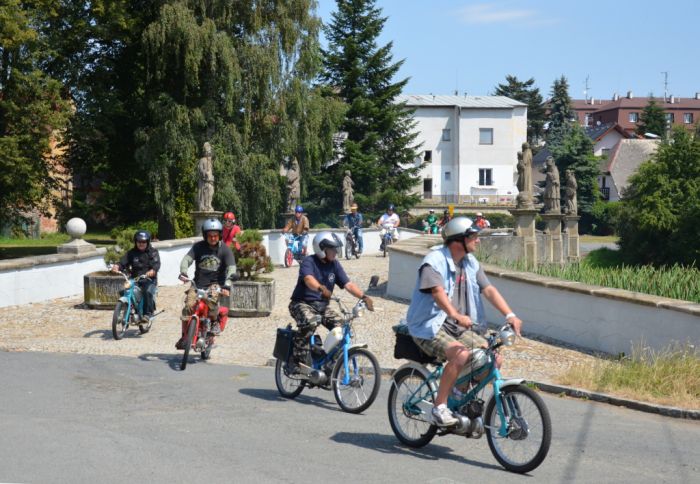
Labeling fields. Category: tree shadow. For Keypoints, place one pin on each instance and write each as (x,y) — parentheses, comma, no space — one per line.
(388,444)
(274,396)
(173,360)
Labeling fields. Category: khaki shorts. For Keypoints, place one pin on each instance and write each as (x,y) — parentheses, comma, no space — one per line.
(437,346)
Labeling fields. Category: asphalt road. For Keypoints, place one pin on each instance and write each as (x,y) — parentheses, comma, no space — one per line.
(101,419)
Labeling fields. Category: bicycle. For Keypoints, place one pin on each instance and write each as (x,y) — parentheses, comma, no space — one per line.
(295,249)
(129,308)
(352,368)
(197,331)
(516,420)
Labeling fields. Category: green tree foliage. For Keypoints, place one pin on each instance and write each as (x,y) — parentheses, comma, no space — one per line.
(32,109)
(380,147)
(526,92)
(659,222)
(561,115)
(652,119)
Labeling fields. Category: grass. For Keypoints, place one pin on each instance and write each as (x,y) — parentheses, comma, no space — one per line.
(14,248)
(603,239)
(667,377)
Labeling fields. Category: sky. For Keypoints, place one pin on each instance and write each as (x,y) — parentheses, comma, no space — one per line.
(470,46)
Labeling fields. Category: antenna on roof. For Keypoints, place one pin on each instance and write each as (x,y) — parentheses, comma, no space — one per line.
(585,89)
(665,73)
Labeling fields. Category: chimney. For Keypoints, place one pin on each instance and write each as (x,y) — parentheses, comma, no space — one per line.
(592,100)
(672,99)
(697,95)
(630,95)
(616,96)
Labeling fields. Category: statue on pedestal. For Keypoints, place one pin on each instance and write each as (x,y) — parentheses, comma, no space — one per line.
(524,199)
(205,171)
(348,192)
(552,202)
(293,185)
(570,199)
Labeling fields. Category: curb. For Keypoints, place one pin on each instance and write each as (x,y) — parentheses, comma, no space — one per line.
(673,412)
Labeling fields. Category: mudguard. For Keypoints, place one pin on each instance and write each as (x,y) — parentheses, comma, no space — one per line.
(420,369)
(124,299)
(357,345)
(512,382)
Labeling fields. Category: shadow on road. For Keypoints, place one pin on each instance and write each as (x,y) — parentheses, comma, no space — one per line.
(172,359)
(274,396)
(102,333)
(388,444)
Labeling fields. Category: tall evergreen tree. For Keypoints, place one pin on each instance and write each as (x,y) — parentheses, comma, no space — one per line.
(526,92)
(380,147)
(561,115)
(652,119)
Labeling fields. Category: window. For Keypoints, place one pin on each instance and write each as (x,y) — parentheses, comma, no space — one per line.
(669,117)
(688,118)
(448,176)
(606,152)
(427,188)
(485,136)
(446,135)
(485,176)
(633,117)
(428,156)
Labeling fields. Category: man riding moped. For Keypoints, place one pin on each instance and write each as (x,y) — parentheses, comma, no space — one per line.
(353,222)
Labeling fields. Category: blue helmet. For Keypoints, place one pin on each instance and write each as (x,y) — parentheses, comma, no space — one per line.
(391,207)
(299,209)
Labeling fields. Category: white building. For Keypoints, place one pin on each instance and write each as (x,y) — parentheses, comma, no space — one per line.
(470,146)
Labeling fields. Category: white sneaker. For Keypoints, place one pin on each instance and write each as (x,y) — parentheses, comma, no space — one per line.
(442,417)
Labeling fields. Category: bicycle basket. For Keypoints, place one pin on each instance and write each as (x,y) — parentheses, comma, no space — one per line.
(283,344)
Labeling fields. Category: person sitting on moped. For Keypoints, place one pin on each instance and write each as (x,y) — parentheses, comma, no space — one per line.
(389,221)
(353,222)
(430,224)
(142,259)
(214,265)
(445,219)
(299,226)
(319,273)
(231,230)
(446,316)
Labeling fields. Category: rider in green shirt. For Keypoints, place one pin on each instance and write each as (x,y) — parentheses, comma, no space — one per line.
(430,222)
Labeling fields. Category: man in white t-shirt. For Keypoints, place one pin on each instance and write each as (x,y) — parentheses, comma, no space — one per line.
(389,221)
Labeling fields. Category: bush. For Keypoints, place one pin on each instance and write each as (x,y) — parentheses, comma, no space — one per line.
(124,237)
(604,217)
(252,259)
(321,225)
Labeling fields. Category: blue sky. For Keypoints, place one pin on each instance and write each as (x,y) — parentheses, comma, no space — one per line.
(472,45)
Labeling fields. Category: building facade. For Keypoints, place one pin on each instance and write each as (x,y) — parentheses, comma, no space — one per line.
(469,147)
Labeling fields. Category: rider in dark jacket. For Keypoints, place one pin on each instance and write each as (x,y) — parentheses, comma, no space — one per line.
(142,259)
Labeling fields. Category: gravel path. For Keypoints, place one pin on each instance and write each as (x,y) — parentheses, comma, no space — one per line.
(64,325)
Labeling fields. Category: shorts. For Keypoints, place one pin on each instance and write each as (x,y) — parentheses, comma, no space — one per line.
(436,346)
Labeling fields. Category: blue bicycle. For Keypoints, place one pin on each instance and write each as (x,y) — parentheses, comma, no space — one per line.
(350,370)
(295,249)
(516,421)
(129,308)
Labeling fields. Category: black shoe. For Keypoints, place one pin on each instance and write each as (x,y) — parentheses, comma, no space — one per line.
(180,345)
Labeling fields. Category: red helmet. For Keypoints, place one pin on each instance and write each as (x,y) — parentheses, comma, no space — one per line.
(229,216)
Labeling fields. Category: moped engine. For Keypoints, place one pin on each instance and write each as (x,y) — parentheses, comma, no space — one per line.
(317,377)
(474,410)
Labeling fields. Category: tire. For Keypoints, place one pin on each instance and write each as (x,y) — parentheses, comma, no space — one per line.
(386,243)
(365,374)
(206,354)
(529,409)
(120,320)
(348,249)
(288,387)
(191,329)
(288,258)
(411,425)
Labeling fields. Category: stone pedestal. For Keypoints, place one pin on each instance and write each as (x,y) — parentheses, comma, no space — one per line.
(199,217)
(571,229)
(525,228)
(553,250)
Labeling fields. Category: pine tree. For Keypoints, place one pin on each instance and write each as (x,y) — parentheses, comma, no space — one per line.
(561,116)
(526,92)
(652,119)
(379,149)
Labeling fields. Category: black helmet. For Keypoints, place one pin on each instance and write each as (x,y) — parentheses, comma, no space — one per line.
(446,212)
(142,236)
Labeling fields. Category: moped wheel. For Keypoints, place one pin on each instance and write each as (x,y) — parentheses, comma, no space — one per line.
(288,387)
(120,320)
(410,403)
(386,244)
(348,249)
(364,378)
(206,354)
(191,329)
(288,258)
(529,429)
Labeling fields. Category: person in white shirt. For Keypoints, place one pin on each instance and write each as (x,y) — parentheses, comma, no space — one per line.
(389,221)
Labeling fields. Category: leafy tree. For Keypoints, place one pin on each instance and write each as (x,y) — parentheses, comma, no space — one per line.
(652,119)
(379,149)
(32,110)
(561,115)
(659,221)
(526,92)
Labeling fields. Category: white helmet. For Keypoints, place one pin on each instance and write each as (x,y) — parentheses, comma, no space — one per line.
(458,228)
(325,240)
(211,225)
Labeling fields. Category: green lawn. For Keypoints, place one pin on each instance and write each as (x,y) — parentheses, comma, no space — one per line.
(602,239)
(14,248)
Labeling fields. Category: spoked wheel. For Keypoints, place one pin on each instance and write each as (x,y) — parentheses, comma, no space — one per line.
(120,320)
(386,243)
(191,329)
(528,425)
(348,248)
(364,378)
(356,250)
(410,403)
(287,386)
(206,354)
(288,258)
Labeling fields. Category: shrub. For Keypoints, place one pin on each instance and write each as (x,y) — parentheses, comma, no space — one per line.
(604,217)
(124,238)
(252,259)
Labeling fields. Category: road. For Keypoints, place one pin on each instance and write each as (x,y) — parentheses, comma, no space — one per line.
(86,419)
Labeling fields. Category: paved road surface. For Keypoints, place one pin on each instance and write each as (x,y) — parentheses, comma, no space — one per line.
(102,419)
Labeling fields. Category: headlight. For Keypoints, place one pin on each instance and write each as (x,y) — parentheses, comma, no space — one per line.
(127,284)
(507,336)
(358,310)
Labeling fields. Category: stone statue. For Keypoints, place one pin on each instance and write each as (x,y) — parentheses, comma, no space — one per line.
(571,202)
(205,170)
(524,199)
(348,192)
(551,189)
(293,185)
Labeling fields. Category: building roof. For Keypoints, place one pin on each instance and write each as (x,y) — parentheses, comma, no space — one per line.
(626,157)
(597,132)
(641,102)
(473,102)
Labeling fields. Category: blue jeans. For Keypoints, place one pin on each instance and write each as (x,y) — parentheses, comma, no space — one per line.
(357,233)
(148,292)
